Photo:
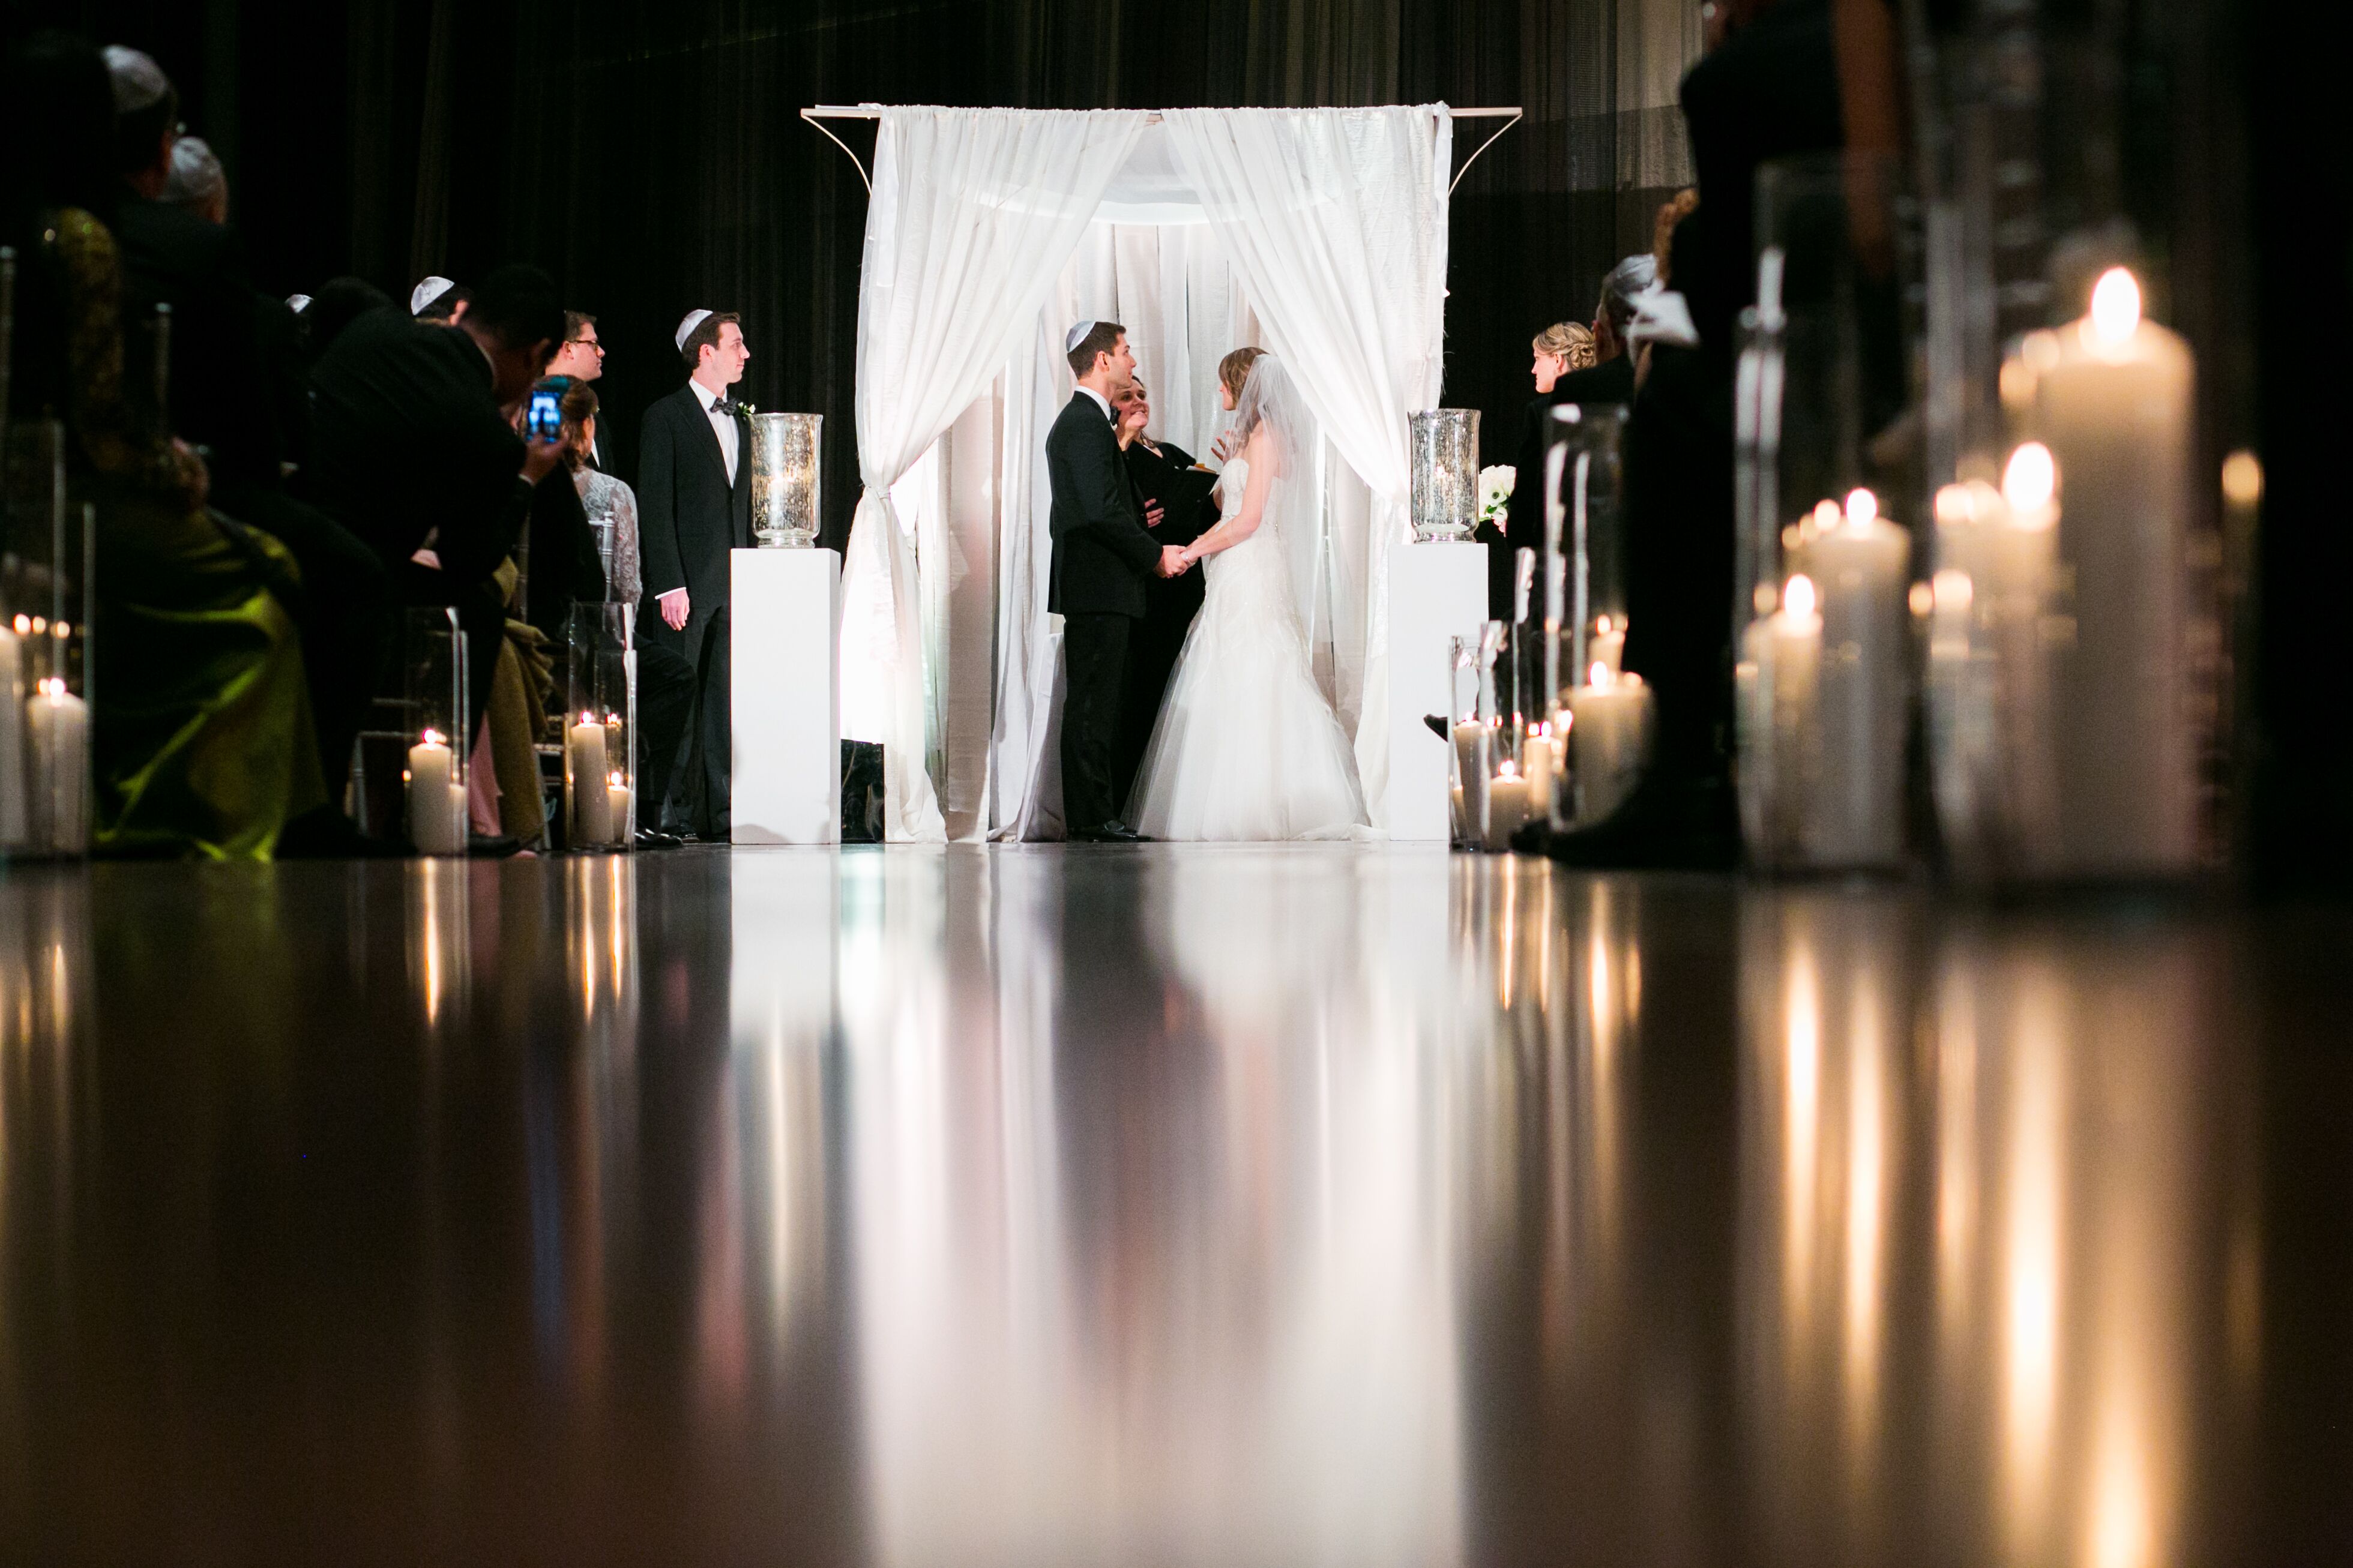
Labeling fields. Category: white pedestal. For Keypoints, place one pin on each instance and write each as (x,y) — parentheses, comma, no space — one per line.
(1435,592)
(786,634)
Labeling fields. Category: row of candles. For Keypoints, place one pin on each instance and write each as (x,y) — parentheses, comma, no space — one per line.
(596,794)
(2053,634)
(44,805)
(1572,766)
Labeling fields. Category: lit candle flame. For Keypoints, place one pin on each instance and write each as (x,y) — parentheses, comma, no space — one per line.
(1798,597)
(432,738)
(1826,513)
(1598,675)
(23,624)
(2243,478)
(1953,589)
(616,779)
(2115,306)
(1862,508)
(2032,478)
(1955,505)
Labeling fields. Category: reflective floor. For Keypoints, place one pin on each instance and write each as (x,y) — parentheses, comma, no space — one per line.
(1324,1206)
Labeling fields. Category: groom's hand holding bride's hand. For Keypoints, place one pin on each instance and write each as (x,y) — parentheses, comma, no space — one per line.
(1172,562)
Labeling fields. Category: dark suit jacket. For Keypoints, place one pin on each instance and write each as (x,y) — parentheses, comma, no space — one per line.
(689,516)
(405,440)
(1103,552)
(223,394)
(1611,381)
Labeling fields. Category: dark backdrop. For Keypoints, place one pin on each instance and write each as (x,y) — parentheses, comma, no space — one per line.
(652,156)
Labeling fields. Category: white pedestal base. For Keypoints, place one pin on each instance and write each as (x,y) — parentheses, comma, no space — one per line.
(1435,592)
(786,624)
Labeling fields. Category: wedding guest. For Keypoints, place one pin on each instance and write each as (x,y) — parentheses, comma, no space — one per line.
(195,183)
(612,506)
(1179,508)
(339,302)
(563,566)
(413,448)
(582,359)
(439,301)
(694,492)
(1771,90)
(201,739)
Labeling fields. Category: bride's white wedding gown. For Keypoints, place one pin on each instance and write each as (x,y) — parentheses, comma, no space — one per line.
(1246,747)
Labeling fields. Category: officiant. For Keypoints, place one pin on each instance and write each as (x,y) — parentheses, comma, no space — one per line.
(1177,499)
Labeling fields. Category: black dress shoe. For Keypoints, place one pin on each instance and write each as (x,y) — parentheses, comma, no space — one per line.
(1109,833)
(492,845)
(652,838)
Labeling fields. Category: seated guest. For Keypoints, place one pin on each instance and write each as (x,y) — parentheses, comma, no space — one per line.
(235,390)
(413,448)
(1178,509)
(195,183)
(562,565)
(1603,372)
(1563,347)
(439,301)
(339,302)
(201,738)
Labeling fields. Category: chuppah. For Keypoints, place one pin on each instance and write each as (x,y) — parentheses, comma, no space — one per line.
(1319,234)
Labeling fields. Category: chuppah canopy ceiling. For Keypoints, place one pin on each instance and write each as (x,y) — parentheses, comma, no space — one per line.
(1332,221)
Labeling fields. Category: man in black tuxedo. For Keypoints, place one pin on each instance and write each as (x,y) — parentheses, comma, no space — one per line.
(1174,492)
(1102,557)
(694,505)
(413,448)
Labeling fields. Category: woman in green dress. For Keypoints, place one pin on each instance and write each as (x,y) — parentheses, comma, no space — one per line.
(202,739)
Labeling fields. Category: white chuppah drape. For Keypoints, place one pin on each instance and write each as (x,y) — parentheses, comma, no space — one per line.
(1336,222)
(974,214)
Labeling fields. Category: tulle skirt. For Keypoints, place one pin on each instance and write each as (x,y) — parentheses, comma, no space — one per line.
(1246,748)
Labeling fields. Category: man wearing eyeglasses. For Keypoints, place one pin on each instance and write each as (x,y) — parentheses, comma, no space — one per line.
(582,357)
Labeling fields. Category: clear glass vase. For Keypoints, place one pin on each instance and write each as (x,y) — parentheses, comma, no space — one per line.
(439,730)
(600,724)
(47,584)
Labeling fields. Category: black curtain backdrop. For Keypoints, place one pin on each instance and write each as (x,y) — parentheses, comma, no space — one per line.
(653,157)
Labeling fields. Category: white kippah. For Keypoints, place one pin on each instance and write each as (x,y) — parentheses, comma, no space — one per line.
(425,293)
(686,327)
(139,82)
(195,173)
(1076,336)
(297,303)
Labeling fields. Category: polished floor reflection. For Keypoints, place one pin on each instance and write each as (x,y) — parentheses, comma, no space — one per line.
(1331,1207)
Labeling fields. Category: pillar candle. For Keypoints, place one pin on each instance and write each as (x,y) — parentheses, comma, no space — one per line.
(436,801)
(1854,814)
(592,811)
(617,796)
(1778,756)
(1609,741)
(1507,806)
(1543,764)
(12,741)
(2113,404)
(57,729)
(1609,644)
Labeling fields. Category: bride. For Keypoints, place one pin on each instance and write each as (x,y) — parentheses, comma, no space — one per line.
(1246,747)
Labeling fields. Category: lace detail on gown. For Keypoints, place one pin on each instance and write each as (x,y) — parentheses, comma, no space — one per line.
(1246,747)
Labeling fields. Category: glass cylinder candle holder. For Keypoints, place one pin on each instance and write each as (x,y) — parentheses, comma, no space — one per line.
(47,581)
(599,728)
(788,451)
(1824,650)
(1583,544)
(439,731)
(1444,465)
(1473,729)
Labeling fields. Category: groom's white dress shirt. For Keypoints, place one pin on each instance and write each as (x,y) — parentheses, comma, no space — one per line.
(1100,400)
(722,424)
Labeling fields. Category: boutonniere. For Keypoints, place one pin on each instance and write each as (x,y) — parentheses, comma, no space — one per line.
(746,408)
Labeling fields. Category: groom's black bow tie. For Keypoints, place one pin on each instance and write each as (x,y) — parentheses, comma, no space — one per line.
(728,407)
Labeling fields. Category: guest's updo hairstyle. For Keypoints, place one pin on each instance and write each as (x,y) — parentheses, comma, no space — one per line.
(1235,368)
(578,405)
(1569,343)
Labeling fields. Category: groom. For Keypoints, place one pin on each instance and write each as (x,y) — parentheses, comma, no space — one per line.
(1102,555)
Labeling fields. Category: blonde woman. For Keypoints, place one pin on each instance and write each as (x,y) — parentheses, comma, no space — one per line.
(1246,747)
(1560,348)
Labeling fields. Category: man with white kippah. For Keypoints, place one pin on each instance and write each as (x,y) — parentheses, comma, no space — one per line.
(1103,554)
(694,505)
(439,301)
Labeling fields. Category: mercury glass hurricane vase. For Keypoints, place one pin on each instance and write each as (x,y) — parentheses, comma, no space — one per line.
(1445,469)
(786,451)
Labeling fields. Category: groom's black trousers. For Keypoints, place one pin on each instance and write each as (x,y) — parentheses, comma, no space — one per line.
(1094,679)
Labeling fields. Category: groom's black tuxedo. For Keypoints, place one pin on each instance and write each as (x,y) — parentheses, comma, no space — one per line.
(690,515)
(1103,555)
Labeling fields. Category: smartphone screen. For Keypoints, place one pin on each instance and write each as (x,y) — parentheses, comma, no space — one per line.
(544,421)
